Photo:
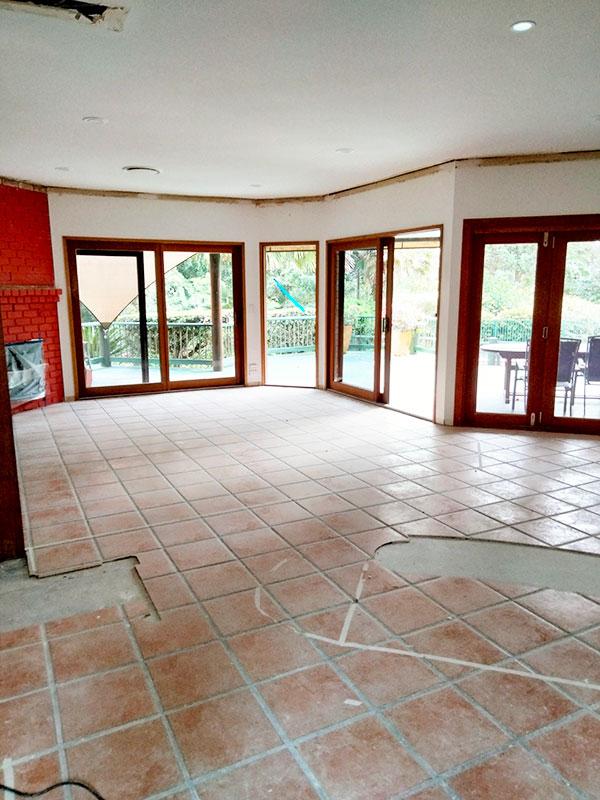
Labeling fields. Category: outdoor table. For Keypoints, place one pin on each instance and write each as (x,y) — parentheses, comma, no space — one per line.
(512,351)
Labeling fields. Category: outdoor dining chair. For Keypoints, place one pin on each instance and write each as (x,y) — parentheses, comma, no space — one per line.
(591,369)
(566,375)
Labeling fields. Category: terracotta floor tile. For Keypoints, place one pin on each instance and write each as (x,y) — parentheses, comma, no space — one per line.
(55,516)
(523,704)
(26,725)
(251,543)
(212,506)
(16,638)
(305,488)
(361,760)
(259,497)
(427,527)
(454,640)
(469,521)
(219,579)
(327,504)
(195,674)
(460,595)
(429,794)
(177,628)
(108,505)
(235,522)
(91,651)
(307,593)
(433,505)
(280,513)
(511,774)
(369,496)
(549,531)
(569,611)
(576,496)
(199,489)
(199,554)
(445,728)
(236,613)
(175,512)
(168,591)
(370,541)
(544,504)
(305,531)
(39,502)
(278,566)
(22,669)
(82,622)
(117,545)
(111,763)
(572,749)
(191,530)
(156,497)
(473,496)
(114,523)
(310,700)
(513,628)
(144,485)
(332,553)
(65,557)
(385,677)
(570,659)
(65,532)
(220,732)
(153,563)
(275,776)
(582,520)
(249,483)
(404,610)
(104,701)
(346,522)
(363,628)
(35,775)
(271,651)
(375,579)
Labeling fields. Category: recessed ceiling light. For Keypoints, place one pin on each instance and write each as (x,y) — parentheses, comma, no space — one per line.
(255,185)
(141,169)
(62,169)
(522,25)
(345,150)
(94,120)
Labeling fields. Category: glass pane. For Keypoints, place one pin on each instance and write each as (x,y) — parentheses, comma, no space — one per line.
(506,319)
(120,333)
(290,294)
(414,322)
(358,338)
(200,315)
(578,369)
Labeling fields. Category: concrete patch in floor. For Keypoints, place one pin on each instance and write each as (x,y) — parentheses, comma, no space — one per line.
(26,600)
(508,562)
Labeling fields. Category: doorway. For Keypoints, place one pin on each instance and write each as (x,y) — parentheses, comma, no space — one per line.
(529,328)
(153,316)
(289,313)
(383,304)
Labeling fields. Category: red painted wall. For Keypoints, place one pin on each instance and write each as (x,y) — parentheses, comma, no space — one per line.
(27,295)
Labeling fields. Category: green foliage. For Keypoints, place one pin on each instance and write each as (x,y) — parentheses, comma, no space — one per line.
(296,272)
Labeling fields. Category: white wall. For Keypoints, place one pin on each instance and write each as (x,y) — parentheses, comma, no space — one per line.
(443,197)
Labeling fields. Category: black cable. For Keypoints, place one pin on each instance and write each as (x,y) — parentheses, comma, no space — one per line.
(81,784)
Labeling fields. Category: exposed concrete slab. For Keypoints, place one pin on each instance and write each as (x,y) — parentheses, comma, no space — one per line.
(26,600)
(546,567)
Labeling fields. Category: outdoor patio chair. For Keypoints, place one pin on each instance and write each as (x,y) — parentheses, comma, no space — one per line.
(591,369)
(566,375)
(521,370)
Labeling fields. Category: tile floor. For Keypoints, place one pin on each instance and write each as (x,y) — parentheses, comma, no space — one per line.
(254,514)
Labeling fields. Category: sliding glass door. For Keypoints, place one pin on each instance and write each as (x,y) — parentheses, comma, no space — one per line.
(359,317)
(150,316)
(529,331)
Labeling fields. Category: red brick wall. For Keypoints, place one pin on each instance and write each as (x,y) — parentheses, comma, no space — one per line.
(27,295)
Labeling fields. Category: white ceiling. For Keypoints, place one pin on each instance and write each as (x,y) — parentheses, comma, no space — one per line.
(226,94)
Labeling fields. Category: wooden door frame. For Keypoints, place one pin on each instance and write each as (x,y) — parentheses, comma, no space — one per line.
(158,246)
(263,249)
(333,247)
(471,282)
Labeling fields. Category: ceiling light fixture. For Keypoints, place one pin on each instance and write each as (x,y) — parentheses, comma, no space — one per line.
(94,120)
(522,25)
(62,169)
(137,169)
(345,151)
(255,185)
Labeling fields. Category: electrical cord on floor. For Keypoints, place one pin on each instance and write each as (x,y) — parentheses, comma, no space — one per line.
(39,793)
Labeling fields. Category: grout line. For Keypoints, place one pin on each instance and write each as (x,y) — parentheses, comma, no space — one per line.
(53,690)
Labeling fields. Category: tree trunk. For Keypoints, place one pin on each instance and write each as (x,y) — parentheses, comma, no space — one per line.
(216,312)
